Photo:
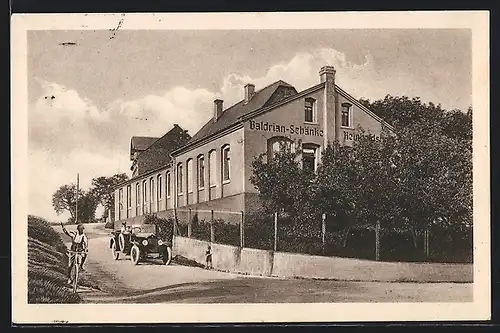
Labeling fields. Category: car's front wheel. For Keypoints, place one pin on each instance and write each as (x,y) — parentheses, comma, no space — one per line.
(167,256)
(135,254)
(114,251)
(122,243)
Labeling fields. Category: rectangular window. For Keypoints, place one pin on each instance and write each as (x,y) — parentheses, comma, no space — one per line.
(212,166)
(226,164)
(168,184)
(144,197)
(151,194)
(129,201)
(309,110)
(120,203)
(309,159)
(201,172)
(159,192)
(179,178)
(137,199)
(346,115)
(189,175)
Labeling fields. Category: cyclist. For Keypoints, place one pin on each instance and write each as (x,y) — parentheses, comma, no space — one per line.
(79,243)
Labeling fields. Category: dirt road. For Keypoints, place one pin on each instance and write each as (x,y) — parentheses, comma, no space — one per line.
(122,282)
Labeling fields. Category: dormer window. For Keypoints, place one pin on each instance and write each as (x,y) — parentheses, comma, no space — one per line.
(310,110)
(346,115)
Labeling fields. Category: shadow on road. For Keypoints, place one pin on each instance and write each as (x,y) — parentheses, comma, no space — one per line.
(244,290)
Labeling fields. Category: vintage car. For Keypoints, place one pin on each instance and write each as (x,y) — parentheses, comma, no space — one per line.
(141,242)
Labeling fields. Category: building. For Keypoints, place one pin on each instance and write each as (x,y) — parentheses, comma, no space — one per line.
(148,153)
(211,170)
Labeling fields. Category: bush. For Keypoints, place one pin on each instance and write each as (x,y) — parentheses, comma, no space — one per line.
(226,233)
(445,246)
(200,229)
(47,265)
(259,231)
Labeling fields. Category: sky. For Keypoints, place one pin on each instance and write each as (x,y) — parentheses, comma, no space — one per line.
(87,99)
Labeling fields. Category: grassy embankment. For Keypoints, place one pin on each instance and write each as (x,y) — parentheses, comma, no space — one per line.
(47,265)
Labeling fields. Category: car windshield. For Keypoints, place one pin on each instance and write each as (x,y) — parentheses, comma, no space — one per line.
(144,228)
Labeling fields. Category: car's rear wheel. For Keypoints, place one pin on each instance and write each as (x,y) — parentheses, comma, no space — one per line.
(167,256)
(135,254)
(114,251)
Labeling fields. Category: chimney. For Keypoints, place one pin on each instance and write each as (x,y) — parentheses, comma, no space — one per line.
(217,109)
(331,114)
(249,92)
(327,73)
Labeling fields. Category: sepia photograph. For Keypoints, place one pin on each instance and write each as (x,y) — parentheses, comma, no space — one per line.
(307,166)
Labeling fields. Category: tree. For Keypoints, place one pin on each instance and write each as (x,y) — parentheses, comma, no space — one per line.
(355,184)
(435,176)
(416,177)
(64,199)
(285,187)
(458,125)
(435,161)
(281,181)
(336,187)
(87,206)
(403,111)
(103,189)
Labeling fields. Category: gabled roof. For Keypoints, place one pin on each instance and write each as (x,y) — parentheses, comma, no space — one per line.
(263,102)
(354,101)
(140,143)
(230,115)
(170,141)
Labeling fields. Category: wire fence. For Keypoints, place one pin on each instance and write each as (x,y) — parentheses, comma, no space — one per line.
(320,236)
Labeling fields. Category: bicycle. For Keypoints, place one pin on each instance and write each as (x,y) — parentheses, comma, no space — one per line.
(76,267)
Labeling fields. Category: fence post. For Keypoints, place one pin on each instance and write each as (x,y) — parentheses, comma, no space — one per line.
(212,231)
(189,223)
(323,232)
(377,241)
(426,242)
(276,231)
(242,231)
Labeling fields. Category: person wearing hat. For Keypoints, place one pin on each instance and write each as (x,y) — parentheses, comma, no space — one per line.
(79,243)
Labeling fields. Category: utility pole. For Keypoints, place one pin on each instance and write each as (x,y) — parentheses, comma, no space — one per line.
(77,188)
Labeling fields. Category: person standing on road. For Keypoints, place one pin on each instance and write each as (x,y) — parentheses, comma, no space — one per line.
(208,258)
(79,243)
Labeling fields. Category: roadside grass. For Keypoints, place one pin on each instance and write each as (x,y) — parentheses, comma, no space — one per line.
(47,266)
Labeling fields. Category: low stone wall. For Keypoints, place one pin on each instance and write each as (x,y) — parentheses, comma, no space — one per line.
(280,264)
(255,262)
(225,257)
(299,265)
(190,248)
